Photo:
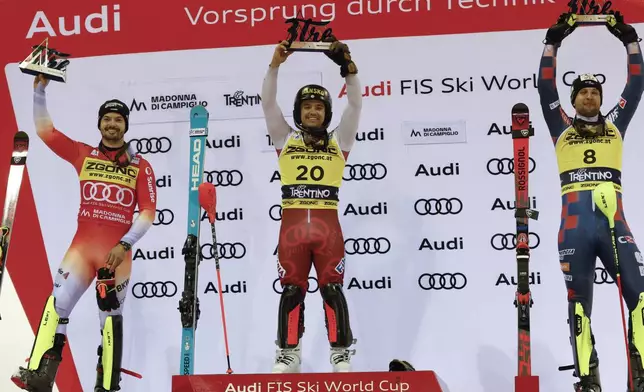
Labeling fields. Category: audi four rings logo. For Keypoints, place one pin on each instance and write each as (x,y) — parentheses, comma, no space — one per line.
(509,241)
(163,217)
(109,193)
(225,250)
(224,177)
(366,171)
(438,206)
(447,281)
(152,145)
(602,276)
(154,289)
(313,285)
(275,212)
(363,246)
(496,166)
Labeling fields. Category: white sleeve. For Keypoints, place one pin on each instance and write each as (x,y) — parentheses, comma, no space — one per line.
(350,121)
(278,128)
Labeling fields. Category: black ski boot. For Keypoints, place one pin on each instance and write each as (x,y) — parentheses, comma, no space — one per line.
(42,379)
(590,383)
(99,374)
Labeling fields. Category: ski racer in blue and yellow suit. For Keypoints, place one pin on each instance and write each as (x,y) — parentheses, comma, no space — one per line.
(589,152)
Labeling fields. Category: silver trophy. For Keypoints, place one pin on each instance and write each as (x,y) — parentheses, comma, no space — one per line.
(46,61)
(593,19)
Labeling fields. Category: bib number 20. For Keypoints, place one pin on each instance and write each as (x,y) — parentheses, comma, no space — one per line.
(589,157)
(315,173)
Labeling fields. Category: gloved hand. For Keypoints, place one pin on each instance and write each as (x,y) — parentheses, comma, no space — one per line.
(106,290)
(340,54)
(565,25)
(624,32)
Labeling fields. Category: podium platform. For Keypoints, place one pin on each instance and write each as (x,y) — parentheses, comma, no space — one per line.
(416,381)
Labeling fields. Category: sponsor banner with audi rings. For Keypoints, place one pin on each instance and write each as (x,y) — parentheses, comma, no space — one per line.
(425,228)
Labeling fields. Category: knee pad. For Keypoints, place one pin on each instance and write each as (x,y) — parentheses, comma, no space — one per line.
(111,353)
(637,337)
(336,315)
(581,339)
(290,318)
(46,336)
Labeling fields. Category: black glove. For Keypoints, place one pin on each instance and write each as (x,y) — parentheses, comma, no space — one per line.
(340,54)
(624,32)
(565,25)
(106,290)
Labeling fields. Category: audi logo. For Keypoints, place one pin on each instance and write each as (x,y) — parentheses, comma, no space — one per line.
(225,250)
(496,166)
(509,241)
(313,285)
(446,281)
(110,193)
(224,177)
(154,289)
(153,145)
(602,276)
(438,206)
(366,171)
(363,246)
(275,212)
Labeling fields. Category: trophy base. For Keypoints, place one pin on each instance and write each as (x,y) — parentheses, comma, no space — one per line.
(48,73)
(592,19)
(309,47)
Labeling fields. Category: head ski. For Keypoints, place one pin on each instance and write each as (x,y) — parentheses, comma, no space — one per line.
(18,162)
(189,303)
(521,132)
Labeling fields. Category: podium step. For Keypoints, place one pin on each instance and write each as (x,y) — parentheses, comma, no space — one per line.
(415,381)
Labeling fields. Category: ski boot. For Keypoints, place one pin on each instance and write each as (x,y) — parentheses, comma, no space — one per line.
(42,379)
(340,358)
(288,360)
(590,383)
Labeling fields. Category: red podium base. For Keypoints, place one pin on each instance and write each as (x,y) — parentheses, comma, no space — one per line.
(416,381)
(526,383)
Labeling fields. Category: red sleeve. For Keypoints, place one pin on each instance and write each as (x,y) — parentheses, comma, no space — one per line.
(146,190)
(61,144)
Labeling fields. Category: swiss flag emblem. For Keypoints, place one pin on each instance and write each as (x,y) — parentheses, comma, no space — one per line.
(622,102)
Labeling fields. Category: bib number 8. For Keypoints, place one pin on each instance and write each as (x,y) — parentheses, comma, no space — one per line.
(316,173)
(589,157)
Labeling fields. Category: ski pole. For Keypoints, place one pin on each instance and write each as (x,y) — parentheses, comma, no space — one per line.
(208,201)
(605,197)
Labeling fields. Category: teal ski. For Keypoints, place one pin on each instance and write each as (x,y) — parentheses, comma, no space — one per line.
(189,303)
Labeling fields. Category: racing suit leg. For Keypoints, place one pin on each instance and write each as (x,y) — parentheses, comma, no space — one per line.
(293,267)
(577,258)
(75,274)
(329,261)
(631,265)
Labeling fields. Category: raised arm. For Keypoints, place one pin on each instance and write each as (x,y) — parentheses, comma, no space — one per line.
(622,114)
(553,113)
(146,195)
(276,125)
(58,142)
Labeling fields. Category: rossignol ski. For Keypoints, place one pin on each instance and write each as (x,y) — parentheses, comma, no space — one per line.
(18,162)
(521,132)
(189,303)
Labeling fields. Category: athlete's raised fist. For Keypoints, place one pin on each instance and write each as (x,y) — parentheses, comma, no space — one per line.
(40,79)
(281,53)
(340,54)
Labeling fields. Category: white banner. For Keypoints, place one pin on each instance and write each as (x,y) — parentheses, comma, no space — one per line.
(435,207)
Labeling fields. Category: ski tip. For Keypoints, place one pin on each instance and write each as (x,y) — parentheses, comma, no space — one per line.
(199,111)
(20,141)
(520,107)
